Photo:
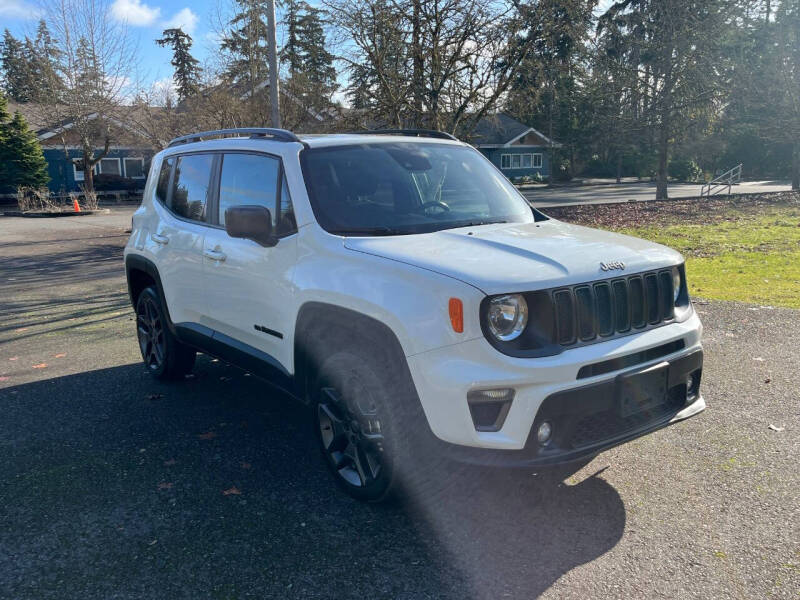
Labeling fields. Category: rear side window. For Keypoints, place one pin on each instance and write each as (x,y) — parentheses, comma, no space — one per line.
(162,186)
(191,185)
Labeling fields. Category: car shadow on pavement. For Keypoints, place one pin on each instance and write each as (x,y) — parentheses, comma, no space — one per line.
(114,484)
(513,533)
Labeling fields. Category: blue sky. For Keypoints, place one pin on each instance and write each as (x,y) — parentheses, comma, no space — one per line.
(145,20)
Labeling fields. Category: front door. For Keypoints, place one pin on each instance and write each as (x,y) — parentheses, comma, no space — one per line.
(249,289)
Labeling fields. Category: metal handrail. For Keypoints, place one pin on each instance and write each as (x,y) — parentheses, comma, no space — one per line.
(279,135)
(727,179)
(432,133)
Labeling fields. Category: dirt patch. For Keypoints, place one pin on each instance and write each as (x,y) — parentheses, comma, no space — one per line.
(669,212)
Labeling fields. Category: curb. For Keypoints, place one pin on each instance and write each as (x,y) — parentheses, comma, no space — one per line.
(46,215)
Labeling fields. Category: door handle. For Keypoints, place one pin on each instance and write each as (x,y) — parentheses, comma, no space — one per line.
(159,239)
(215,255)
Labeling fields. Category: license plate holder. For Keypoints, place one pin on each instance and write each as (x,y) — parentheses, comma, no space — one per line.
(643,390)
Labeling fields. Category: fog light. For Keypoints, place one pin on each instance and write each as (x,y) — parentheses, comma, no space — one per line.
(544,432)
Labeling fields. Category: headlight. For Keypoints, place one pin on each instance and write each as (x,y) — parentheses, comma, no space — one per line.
(676,284)
(507,316)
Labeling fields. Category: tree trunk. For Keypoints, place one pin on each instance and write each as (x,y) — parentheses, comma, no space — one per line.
(88,173)
(796,167)
(619,167)
(663,157)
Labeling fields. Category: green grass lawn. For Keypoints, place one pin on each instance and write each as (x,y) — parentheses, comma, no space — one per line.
(745,255)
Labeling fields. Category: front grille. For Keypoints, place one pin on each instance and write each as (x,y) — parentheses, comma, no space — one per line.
(584,313)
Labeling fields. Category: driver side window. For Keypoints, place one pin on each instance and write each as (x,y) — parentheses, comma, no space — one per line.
(252,179)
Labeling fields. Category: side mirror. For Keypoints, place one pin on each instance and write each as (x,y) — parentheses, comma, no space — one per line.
(250,222)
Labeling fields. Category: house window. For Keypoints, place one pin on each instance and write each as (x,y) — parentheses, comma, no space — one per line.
(520,161)
(77,169)
(109,166)
(134,168)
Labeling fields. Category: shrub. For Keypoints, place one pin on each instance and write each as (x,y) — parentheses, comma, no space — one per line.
(684,169)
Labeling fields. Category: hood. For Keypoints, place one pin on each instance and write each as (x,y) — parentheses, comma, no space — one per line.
(508,258)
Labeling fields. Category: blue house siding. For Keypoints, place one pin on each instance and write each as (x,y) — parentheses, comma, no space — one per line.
(495,155)
(62,174)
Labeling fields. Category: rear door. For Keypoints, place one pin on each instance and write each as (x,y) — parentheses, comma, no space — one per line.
(176,242)
(248,288)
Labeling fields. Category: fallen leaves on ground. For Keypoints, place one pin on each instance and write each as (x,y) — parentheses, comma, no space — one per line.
(234,491)
(774,428)
(4,378)
(209,435)
(40,366)
(14,358)
(60,355)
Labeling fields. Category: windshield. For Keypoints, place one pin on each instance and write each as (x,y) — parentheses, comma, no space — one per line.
(407,187)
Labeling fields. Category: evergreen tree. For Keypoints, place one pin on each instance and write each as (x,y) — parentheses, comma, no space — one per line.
(45,65)
(4,156)
(25,161)
(316,60)
(15,58)
(247,45)
(187,71)
(291,52)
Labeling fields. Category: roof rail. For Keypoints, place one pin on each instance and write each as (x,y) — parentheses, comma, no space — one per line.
(432,133)
(279,135)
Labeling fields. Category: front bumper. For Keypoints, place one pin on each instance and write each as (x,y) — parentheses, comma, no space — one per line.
(543,386)
(586,421)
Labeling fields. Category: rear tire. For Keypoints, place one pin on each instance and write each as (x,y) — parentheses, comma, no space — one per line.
(163,354)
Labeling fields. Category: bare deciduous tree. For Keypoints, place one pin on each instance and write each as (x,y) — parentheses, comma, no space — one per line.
(95,67)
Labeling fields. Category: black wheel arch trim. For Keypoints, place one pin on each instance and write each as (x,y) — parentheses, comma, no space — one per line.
(314,316)
(136,262)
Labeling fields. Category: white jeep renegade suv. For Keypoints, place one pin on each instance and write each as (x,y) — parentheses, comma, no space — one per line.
(398,283)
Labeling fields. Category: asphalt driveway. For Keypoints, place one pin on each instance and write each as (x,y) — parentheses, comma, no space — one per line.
(113,485)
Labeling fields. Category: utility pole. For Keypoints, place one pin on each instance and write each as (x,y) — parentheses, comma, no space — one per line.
(273,65)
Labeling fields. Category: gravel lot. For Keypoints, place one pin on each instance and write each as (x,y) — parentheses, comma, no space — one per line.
(115,486)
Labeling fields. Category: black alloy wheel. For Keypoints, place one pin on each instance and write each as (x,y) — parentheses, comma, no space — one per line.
(150,330)
(351,439)
(163,354)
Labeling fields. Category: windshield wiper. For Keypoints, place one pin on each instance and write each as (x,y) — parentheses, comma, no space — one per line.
(368,231)
(476,223)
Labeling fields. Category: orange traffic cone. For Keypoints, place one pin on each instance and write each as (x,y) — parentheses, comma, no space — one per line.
(75,205)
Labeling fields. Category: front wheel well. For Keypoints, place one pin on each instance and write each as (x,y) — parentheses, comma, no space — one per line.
(322,328)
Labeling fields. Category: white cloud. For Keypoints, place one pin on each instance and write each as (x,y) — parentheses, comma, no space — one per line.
(18,9)
(133,12)
(184,18)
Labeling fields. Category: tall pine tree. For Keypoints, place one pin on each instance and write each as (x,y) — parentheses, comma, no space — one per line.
(16,68)
(247,45)
(187,71)
(309,63)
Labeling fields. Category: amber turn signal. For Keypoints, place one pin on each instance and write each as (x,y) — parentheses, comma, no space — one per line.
(456,315)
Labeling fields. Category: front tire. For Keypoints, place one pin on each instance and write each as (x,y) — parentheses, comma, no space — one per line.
(357,427)
(163,354)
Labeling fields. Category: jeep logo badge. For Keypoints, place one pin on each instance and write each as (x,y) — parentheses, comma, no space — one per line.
(610,266)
